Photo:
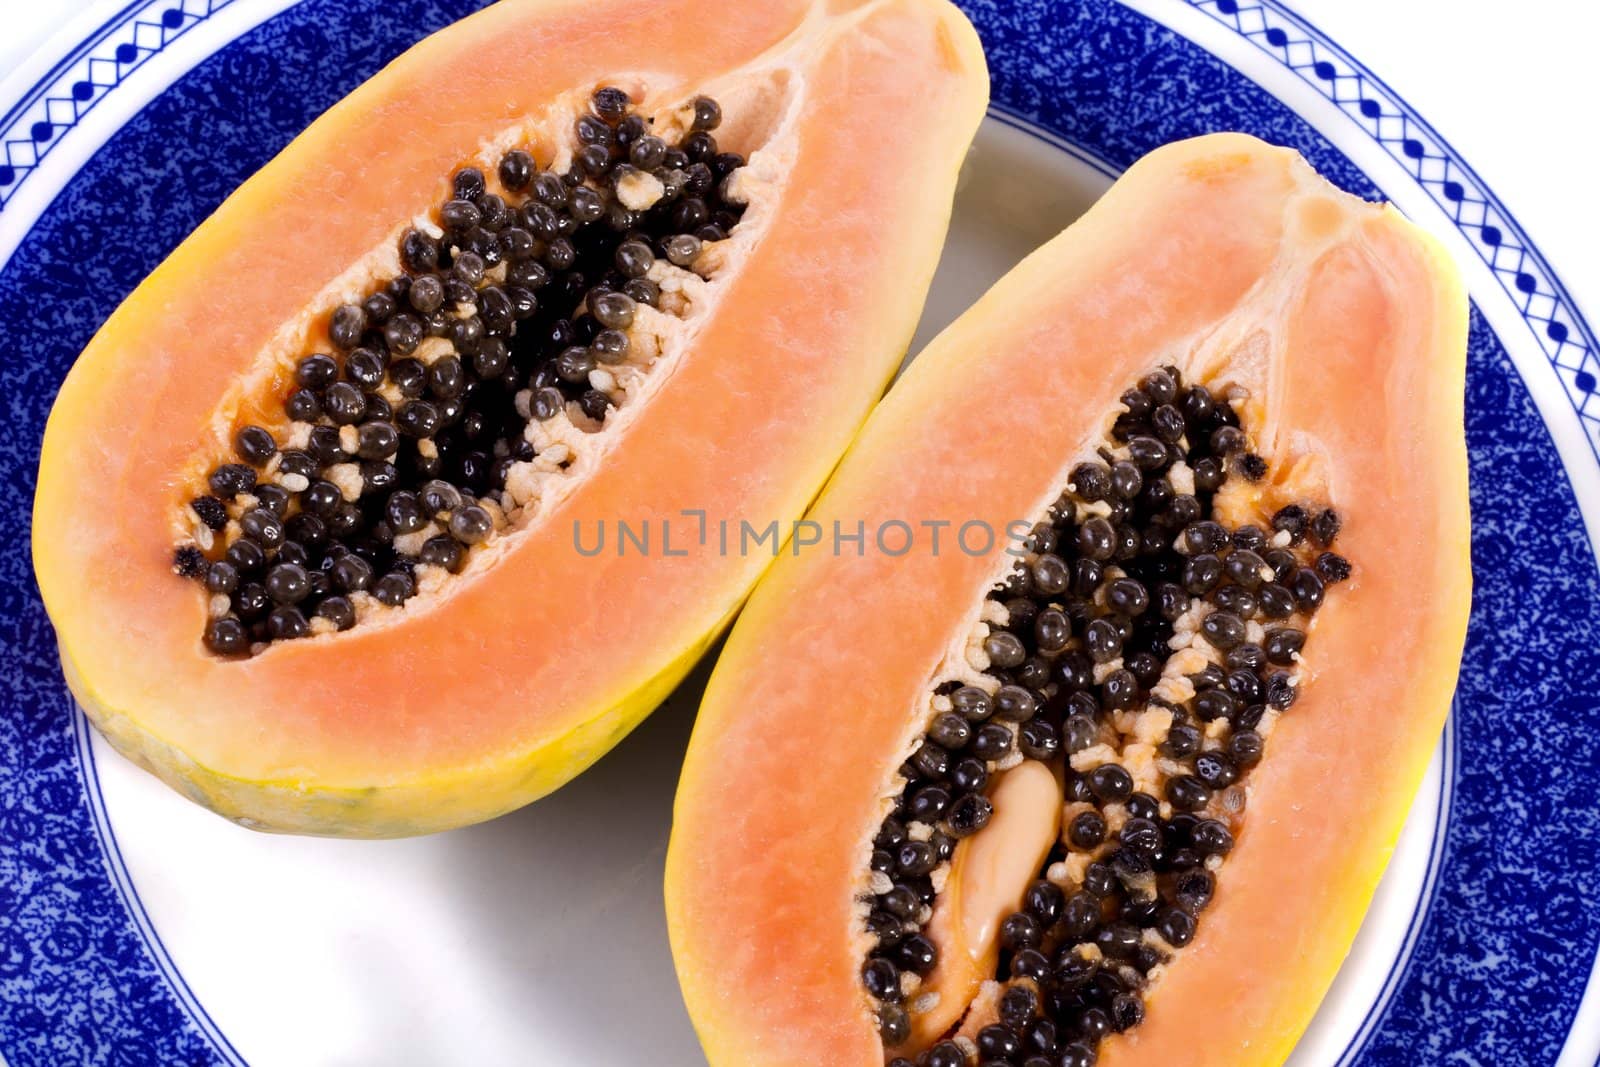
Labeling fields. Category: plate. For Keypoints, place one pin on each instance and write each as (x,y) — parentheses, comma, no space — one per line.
(137,929)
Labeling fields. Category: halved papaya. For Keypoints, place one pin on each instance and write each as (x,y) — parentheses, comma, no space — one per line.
(560,272)
(1173,524)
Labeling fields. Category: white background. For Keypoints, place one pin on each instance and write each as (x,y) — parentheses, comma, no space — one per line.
(1512,85)
(1516,95)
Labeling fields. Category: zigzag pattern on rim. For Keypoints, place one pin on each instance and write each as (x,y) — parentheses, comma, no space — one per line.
(80,982)
(71,89)
(1563,335)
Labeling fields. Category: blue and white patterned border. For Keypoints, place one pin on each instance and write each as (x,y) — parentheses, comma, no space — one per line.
(1562,334)
(61,98)
(68,91)
(135,35)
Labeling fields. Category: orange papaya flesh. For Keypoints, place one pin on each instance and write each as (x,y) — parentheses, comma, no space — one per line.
(479,659)
(1224,356)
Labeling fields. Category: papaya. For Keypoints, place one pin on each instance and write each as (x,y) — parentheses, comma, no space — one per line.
(309,504)
(1093,746)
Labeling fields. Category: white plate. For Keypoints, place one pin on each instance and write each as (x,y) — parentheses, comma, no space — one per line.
(136,928)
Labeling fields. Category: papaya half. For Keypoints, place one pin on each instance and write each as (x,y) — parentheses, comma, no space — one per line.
(1095,747)
(317,506)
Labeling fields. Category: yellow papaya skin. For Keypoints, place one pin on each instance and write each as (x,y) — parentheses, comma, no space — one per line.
(522,673)
(1345,328)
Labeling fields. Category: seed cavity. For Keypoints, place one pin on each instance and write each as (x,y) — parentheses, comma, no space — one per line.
(1127,673)
(442,404)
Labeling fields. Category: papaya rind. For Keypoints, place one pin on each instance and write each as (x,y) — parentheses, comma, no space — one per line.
(1297,1000)
(407,802)
(454,797)
(731,1001)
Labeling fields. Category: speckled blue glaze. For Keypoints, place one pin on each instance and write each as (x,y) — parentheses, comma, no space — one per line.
(1510,932)
(1506,937)
(78,983)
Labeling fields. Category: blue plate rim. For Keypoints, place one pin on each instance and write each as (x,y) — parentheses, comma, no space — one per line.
(1323,74)
(1487,240)
(120,32)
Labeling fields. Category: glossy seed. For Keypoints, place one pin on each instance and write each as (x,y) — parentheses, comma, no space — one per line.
(1097,539)
(1127,596)
(1332,567)
(286,623)
(1223,629)
(231,479)
(1039,739)
(992,741)
(393,589)
(516,169)
(263,527)
(634,259)
(419,418)
(1004,650)
(1148,453)
(1283,645)
(1202,574)
(1307,588)
(1051,575)
(683,249)
(1226,440)
(471,525)
(1052,630)
(1245,748)
(1110,782)
(1275,601)
(894,1025)
(950,730)
(1188,793)
(707,114)
(255,445)
(227,636)
(972,703)
(882,979)
(613,310)
(609,346)
(1013,703)
(1181,742)
(1087,830)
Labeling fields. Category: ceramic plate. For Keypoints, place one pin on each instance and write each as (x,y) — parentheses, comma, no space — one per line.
(137,929)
